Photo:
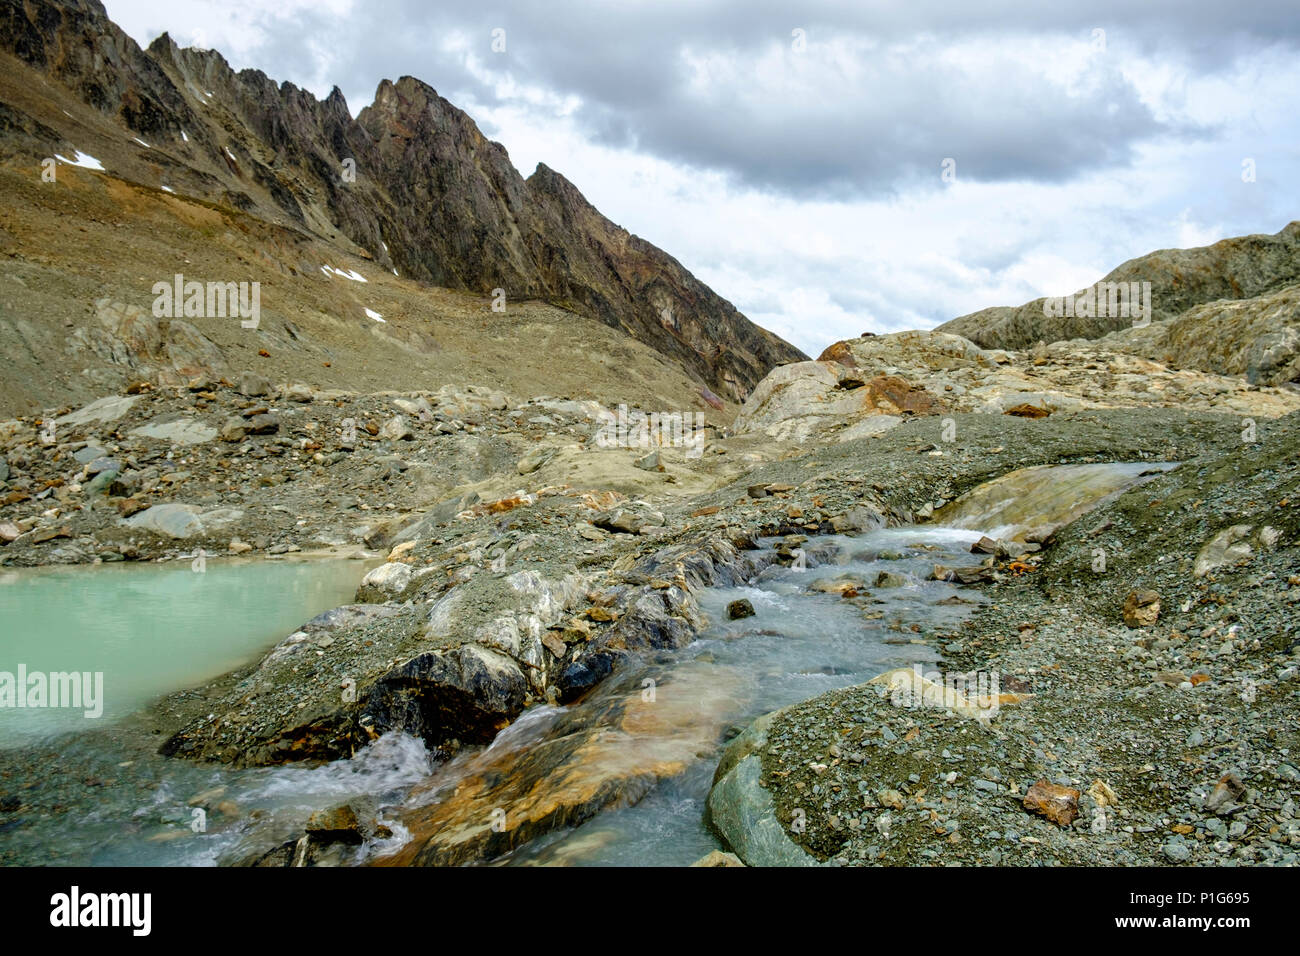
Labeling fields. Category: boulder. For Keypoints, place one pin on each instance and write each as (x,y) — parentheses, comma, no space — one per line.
(1056,803)
(1230,546)
(299,392)
(182,521)
(739,609)
(385,582)
(336,825)
(84,456)
(264,424)
(718,858)
(170,520)
(104,410)
(253,385)
(234,429)
(397,428)
(1141,608)
(858,518)
(179,431)
(740,809)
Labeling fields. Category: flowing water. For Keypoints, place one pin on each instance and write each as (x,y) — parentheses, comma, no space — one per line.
(618,778)
(644,746)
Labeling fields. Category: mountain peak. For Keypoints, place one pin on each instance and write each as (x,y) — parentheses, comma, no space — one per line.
(427,194)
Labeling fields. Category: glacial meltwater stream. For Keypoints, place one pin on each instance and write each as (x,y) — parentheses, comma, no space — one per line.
(867,607)
(617,778)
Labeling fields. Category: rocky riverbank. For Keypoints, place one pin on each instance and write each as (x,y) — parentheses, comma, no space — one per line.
(1164,737)
(527,562)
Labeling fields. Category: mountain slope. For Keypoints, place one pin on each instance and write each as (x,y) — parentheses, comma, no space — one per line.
(431,198)
(1244,275)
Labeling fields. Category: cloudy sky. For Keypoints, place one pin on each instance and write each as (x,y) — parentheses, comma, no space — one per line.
(840,167)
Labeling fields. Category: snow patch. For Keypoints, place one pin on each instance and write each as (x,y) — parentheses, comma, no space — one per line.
(371,313)
(141,142)
(168,189)
(82,160)
(342,274)
(184,137)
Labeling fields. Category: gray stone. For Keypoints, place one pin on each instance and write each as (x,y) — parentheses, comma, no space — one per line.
(299,392)
(649,462)
(170,520)
(741,810)
(180,431)
(397,429)
(88,454)
(104,410)
(533,460)
(101,482)
(253,385)
(181,521)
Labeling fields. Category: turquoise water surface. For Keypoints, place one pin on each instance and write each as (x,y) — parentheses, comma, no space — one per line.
(150,629)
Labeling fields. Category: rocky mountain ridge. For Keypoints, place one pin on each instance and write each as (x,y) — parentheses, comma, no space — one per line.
(1227,308)
(411,183)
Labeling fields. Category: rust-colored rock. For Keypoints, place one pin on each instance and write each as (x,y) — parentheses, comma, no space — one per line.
(1025,410)
(892,395)
(839,352)
(1059,804)
(718,858)
(612,751)
(129,506)
(1141,608)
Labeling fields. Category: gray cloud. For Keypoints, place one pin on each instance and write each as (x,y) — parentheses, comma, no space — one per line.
(878,122)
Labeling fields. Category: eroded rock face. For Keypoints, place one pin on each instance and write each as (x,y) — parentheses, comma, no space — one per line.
(658,618)
(1232,546)
(474,671)
(168,351)
(469,693)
